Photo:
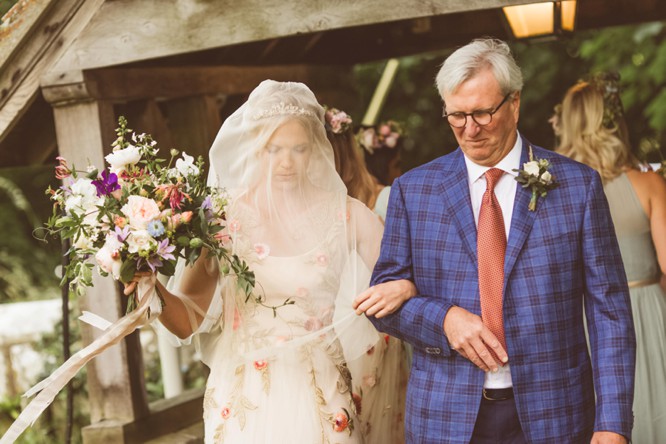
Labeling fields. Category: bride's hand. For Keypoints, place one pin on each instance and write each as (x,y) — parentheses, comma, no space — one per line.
(131,285)
(383,299)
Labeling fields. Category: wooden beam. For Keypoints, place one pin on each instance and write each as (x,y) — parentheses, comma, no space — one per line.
(117,36)
(39,50)
(194,123)
(126,84)
(166,416)
(84,132)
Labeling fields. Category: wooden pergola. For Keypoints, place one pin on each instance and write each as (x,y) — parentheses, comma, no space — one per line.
(68,68)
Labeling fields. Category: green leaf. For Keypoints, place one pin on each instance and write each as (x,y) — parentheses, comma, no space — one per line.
(168,268)
(127,271)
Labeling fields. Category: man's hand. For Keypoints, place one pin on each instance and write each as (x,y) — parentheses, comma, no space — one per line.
(473,340)
(383,299)
(608,438)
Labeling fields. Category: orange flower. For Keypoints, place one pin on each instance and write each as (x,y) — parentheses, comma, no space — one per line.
(119,222)
(340,422)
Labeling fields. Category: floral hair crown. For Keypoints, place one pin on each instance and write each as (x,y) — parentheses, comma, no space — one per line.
(337,121)
(385,135)
(281,109)
(608,84)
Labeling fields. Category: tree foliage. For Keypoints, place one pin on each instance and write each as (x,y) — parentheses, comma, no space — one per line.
(549,68)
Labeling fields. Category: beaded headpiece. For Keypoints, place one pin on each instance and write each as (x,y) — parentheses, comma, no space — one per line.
(281,109)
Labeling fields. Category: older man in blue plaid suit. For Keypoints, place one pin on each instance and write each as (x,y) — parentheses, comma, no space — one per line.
(561,263)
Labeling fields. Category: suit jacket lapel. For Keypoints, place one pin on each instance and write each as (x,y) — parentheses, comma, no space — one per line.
(521,220)
(455,189)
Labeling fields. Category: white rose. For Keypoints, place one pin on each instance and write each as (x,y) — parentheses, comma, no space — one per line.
(106,261)
(139,240)
(83,197)
(119,160)
(83,243)
(112,243)
(546,177)
(186,167)
(532,168)
(140,210)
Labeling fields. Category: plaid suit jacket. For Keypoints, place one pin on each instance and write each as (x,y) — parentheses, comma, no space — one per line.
(562,264)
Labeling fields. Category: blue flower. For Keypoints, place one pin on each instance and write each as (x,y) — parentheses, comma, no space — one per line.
(155,228)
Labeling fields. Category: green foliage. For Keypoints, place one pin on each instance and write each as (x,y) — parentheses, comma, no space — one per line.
(26,263)
(5,5)
(549,68)
(638,53)
(50,427)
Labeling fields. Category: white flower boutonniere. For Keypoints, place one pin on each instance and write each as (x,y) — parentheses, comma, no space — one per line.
(536,176)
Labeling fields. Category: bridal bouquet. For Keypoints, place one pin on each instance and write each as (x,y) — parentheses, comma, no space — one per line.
(140,214)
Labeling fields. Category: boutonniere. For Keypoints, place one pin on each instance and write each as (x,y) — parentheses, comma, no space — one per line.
(536,176)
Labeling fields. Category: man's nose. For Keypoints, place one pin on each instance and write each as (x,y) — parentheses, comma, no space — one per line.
(471,127)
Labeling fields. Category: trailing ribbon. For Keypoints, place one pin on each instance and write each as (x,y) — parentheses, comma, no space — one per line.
(47,389)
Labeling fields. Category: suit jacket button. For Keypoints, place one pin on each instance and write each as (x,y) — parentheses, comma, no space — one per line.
(433,350)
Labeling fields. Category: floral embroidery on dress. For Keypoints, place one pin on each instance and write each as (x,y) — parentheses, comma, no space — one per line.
(321,259)
(225,412)
(262,250)
(234,225)
(358,402)
(342,421)
(209,403)
(262,366)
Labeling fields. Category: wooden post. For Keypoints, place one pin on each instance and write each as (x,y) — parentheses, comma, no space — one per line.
(85,130)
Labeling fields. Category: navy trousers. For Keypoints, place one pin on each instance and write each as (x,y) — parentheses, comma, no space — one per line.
(497,423)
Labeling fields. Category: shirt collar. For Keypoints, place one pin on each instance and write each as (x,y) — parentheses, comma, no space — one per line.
(510,162)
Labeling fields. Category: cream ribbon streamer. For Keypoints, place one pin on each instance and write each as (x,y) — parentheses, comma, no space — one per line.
(51,386)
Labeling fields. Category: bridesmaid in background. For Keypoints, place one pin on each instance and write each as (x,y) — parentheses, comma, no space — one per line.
(379,381)
(592,130)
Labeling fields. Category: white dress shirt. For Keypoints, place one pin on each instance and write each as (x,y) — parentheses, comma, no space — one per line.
(505,191)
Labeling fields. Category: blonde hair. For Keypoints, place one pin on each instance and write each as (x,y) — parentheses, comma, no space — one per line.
(584,137)
(350,165)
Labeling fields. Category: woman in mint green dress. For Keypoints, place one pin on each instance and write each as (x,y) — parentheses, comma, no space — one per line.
(591,128)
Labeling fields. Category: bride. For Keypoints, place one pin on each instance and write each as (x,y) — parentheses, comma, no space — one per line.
(278,357)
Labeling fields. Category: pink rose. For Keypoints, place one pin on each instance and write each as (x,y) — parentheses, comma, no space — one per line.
(140,210)
(107,262)
(391,141)
(384,130)
(186,217)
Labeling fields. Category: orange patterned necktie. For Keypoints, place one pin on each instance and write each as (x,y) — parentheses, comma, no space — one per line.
(491,246)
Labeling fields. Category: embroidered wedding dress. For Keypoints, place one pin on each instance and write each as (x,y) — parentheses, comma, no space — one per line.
(279,357)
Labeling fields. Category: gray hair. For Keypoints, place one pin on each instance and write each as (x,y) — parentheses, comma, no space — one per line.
(467,61)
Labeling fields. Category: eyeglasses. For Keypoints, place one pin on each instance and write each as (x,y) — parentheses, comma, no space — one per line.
(481,117)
